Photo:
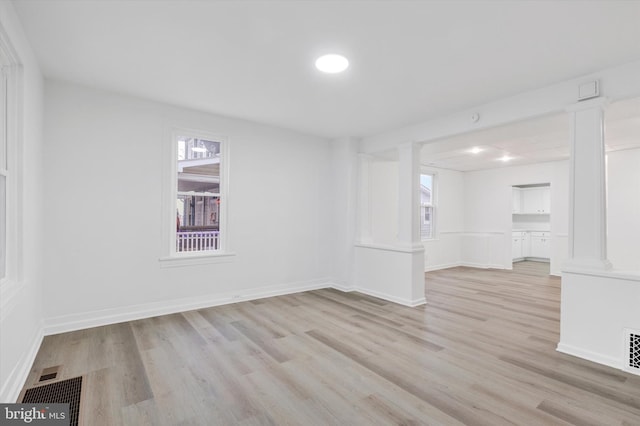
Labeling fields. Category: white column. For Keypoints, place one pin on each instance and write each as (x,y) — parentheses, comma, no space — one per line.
(343,175)
(587,210)
(409,196)
(409,217)
(364,200)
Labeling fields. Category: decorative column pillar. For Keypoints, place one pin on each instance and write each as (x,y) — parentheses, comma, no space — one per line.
(587,207)
(409,196)
(409,219)
(364,234)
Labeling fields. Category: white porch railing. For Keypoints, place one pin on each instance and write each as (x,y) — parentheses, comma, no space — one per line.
(197,240)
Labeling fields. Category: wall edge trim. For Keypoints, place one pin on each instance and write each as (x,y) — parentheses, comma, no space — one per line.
(14,383)
(589,355)
(79,321)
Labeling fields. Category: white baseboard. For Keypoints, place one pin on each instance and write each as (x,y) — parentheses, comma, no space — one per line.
(342,287)
(589,355)
(482,265)
(390,298)
(65,323)
(441,266)
(15,381)
(379,295)
(72,322)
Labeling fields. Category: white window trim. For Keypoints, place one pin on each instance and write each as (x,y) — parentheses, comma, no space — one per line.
(169,256)
(10,283)
(433,205)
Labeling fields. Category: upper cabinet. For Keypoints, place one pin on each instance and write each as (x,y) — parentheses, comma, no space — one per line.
(516,198)
(536,200)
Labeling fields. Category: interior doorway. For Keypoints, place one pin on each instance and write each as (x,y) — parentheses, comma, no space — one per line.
(531,223)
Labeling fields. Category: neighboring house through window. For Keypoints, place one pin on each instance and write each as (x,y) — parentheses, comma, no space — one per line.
(195,205)
(198,194)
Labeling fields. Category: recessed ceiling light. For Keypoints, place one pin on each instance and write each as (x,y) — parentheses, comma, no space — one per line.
(505,158)
(332,64)
(475,150)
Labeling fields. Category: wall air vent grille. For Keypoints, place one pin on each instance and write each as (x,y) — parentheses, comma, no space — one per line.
(632,352)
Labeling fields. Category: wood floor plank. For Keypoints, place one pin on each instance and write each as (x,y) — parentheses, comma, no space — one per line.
(480,352)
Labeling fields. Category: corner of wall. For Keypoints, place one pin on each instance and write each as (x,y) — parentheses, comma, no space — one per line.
(14,382)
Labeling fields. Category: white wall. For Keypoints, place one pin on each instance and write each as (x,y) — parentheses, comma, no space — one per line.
(386,264)
(384,201)
(344,189)
(531,222)
(474,220)
(103,210)
(597,306)
(445,250)
(623,209)
(488,219)
(20,310)
(617,83)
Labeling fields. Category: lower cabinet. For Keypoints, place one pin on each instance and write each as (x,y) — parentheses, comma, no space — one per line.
(516,247)
(530,244)
(520,246)
(540,245)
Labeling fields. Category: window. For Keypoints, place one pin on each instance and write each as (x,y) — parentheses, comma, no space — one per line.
(10,151)
(427,213)
(4,137)
(198,194)
(195,201)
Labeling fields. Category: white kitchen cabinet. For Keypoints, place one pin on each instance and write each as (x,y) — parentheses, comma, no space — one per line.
(520,247)
(536,200)
(516,198)
(540,245)
(516,248)
(545,205)
(526,244)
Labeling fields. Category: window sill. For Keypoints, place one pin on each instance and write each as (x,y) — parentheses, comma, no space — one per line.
(195,259)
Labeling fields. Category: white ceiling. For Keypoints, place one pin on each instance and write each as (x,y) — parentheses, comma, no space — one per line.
(532,141)
(410,60)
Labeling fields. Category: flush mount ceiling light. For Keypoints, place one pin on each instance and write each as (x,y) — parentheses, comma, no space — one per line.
(332,64)
(505,158)
(475,150)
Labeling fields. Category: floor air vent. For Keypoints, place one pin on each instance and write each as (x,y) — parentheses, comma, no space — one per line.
(632,353)
(49,373)
(62,392)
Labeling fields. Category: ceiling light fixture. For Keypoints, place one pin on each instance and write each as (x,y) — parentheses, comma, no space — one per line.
(475,150)
(505,158)
(332,64)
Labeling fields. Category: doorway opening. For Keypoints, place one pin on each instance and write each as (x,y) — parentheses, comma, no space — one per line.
(531,223)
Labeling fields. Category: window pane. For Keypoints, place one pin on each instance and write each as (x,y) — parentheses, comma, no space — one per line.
(426,189)
(198,165)
(198,212)
(426,222)
(197,223)
(198,199)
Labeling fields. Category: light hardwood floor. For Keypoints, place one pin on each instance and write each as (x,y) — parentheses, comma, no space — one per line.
(481,352)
